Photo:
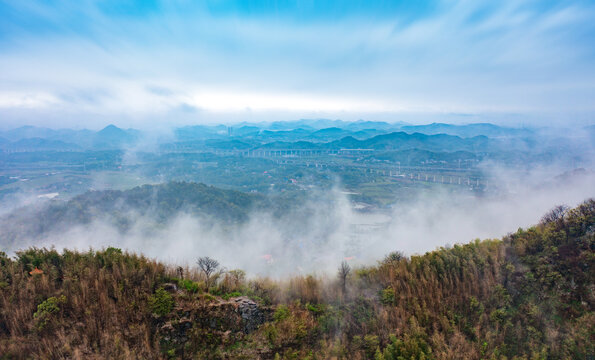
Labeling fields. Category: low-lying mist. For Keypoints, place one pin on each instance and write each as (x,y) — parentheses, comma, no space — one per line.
(315,235)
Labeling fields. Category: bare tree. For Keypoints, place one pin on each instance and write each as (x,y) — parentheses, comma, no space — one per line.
(344,270)
(208,267)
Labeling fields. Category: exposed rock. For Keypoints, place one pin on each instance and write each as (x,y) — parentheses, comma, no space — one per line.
(251,314)
(215,323)
(238,315)
(170,287)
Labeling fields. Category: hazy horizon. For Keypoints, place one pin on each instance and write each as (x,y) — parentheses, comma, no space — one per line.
(266,123)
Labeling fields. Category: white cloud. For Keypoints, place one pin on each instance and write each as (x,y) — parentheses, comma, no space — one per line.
(28,100)
(465,58)
(234,101)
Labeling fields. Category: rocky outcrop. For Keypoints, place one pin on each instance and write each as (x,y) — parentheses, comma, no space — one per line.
(170,287)
(252,315)
(198,323)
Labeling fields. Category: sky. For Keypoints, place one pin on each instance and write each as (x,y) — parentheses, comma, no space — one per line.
(151,63)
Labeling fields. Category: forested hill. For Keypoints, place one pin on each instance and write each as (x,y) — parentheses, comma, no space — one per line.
(157,203)
(163,200)
(527,296)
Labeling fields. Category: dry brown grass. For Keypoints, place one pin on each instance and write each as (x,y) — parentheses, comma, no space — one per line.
(104,313)
(523,297)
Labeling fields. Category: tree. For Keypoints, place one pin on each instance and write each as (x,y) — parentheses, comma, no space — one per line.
(344,270)
(208,266)
(394,257)
(180,271)
(554,215)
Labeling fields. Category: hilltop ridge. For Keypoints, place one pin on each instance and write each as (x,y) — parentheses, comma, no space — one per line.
(528,295)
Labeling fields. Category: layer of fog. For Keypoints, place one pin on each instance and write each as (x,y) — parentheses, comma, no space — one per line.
(320,233)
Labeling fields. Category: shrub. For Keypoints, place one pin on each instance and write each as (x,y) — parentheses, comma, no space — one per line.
(281,313)
(370,345)
(208,297)
(316,309)
(331,320)
(393,257)
(189,285)
(161,303)
(46,310)
(231,295)
(234,280)
(387,296)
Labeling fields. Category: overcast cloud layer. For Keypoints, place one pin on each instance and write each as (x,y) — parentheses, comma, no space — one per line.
(86,63)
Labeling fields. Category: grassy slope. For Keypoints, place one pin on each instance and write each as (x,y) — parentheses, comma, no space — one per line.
(527,296)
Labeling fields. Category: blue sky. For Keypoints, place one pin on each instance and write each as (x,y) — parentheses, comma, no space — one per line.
(134,63)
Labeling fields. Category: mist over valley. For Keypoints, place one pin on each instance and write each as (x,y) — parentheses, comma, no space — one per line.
(285,198)
(297,180)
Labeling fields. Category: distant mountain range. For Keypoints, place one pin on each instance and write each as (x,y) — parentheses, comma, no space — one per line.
(469,130)
(299,134)
(319,124)
(39,144)
(31,138)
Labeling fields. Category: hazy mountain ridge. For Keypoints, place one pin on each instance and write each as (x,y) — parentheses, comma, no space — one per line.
(112,137)
(468,130)
(39,144)
(503,144)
